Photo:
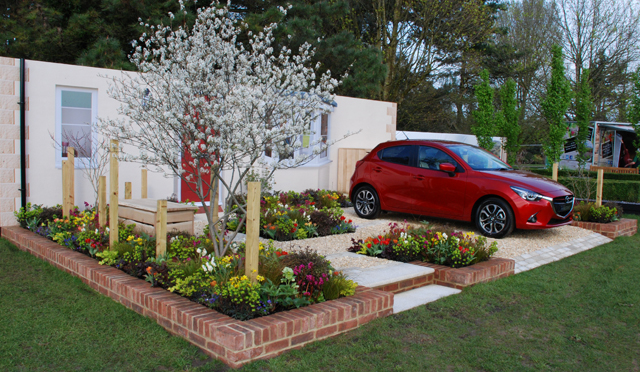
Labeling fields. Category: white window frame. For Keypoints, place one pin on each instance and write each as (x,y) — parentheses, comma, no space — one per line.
(80,163)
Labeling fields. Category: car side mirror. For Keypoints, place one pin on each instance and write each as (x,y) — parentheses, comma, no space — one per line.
(449,168)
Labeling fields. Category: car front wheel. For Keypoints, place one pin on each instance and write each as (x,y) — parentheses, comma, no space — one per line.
(494,218)
(366,203)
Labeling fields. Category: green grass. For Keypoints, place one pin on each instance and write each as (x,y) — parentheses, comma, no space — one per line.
(51,321)
(579,314)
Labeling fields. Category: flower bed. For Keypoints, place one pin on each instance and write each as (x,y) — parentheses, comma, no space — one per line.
(606,219)
(233,341)
(612,230)
(286,281)
(292,215)
(406,243)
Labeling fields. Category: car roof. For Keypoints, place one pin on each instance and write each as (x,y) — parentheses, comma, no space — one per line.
(444,143)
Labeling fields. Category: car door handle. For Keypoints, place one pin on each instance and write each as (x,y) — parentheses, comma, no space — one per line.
(419,178)
(377,169)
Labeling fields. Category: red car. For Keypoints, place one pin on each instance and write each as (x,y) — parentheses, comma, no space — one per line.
(456,181)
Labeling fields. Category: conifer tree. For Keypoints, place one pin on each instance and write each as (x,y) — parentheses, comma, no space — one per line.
(507,120)
(554,107)
(584,111)
(484,126)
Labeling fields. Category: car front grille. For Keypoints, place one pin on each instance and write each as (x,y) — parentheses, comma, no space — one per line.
(563,205)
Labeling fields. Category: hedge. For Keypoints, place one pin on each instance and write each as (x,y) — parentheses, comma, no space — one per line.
(612,189)
(594,175)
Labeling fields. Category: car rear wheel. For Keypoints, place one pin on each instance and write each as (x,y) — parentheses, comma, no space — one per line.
(494,218)
(366,203)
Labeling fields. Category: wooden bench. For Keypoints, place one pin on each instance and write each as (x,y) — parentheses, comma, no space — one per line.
(142,212)
(615,170)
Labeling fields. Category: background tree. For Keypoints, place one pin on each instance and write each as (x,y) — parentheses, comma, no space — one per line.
(507,120)
(202,93)
(484,126)
(584,110)
(555,105)
(634,105)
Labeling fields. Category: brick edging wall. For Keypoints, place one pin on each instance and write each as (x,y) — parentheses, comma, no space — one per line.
(232,341)
(612,230)
(407,285)
(493,269)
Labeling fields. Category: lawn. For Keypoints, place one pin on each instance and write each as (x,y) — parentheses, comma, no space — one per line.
(581,313)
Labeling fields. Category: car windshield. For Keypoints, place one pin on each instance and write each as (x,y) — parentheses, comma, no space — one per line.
(478,159)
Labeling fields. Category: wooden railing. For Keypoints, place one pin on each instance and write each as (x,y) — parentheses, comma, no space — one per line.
(615,170)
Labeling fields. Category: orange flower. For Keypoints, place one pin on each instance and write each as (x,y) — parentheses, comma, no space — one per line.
(149,270)
(214,283)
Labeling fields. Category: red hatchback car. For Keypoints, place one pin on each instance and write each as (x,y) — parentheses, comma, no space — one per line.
(456,181)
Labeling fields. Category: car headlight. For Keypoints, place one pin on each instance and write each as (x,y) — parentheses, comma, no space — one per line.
(527,194)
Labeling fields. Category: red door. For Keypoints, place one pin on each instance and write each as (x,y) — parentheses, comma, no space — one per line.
(391,176)
(436,193)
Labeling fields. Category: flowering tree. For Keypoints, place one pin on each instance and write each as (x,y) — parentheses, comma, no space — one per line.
(202,95)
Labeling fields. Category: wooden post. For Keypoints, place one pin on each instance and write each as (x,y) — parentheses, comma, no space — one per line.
(127,190)
(554,172)
(599,187)
(113,193)
(161,228)
(253,231)
(102,201)
(65,189)
(71,170)
(143,178)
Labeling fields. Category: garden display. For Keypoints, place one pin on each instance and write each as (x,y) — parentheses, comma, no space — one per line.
(588,212)
(291,215)
(285,280)
(408,243)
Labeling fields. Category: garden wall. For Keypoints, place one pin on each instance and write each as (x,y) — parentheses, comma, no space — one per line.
(232,341)
(612,230)
(459,278)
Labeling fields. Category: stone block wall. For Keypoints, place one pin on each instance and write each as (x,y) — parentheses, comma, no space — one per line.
(9,140)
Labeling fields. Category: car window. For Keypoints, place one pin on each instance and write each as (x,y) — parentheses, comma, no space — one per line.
(477,158)
(396,154)
(431,158)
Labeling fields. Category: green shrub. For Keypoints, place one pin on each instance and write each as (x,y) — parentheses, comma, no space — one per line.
(617,190)
(607,176)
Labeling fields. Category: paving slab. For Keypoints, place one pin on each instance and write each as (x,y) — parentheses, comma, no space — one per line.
(376,276)
(420,296)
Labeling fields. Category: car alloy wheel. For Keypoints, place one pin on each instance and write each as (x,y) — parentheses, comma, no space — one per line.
(366,203)
(494,218)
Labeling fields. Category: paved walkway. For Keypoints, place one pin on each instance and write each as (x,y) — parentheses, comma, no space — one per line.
(557,252)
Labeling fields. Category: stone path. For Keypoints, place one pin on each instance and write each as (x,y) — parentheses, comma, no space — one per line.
(557,252)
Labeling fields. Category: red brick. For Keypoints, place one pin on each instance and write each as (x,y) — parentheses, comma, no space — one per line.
(302,339)
(277,346)
(245,355)
(216,349)
(229,338)
(197,339)
(326,331)
(345,326)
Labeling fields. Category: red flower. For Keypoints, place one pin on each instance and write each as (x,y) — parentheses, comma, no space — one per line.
(369,245)
(87,240)
(93,245)
(295,225)
(342,218)
(375,241)
(350,221)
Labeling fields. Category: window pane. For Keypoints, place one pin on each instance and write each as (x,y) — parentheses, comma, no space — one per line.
(431,158)
(78,137)
(76,116)
(76,99)
(397,154)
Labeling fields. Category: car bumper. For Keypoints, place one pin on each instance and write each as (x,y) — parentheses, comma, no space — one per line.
(538,215)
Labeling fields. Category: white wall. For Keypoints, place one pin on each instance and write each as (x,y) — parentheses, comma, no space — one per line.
(370,122)
(43,177)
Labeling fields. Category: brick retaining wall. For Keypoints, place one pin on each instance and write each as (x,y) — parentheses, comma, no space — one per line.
(232,341)
(459,278)
(612,230)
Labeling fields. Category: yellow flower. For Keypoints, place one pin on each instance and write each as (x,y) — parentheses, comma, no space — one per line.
(260,278)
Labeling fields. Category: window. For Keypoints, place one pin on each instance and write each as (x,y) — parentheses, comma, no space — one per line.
(396,154)
(76,111)
(431,158)
(319,134)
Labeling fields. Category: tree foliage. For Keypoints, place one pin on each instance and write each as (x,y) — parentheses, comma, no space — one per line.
(507,120)
(201,93)
(484,126)
(634,104)
(584,114)
(555,105)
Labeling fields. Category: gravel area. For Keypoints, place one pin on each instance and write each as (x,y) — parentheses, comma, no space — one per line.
(516,244)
